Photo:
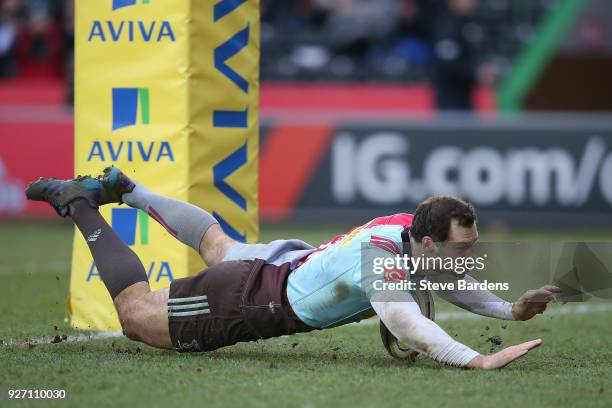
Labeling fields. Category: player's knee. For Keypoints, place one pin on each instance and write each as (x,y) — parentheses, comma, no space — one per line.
(214,245)
(131,308)
(130,322)
(130,328)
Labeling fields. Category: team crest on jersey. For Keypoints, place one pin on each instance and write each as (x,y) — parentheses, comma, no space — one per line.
(395,275)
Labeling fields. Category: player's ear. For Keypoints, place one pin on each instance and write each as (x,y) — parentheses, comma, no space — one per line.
(428,245)
(431,247)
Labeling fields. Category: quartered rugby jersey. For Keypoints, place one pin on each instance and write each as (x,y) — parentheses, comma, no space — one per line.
(328,288)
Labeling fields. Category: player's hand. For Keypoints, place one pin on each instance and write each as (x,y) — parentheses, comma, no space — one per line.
(534,302)
(504,357)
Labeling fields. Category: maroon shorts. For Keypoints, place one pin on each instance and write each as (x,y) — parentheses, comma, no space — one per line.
(231,302)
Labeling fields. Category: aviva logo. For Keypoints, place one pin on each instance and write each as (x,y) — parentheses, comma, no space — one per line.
(126,103)
(126,221)
(138,30)
(131,106)
(117,4)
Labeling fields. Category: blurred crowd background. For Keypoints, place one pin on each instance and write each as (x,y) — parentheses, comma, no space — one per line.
(36,38)
(362,73)
(455,45)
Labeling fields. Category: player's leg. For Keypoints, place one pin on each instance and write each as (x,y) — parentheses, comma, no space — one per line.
(189,224)
(142,313)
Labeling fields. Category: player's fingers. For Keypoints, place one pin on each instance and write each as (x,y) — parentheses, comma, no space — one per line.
(515,356)
(529,293)
(530,345)
(542,299)
(551,288)
(519,350)
(506,356)
(510,353)
(539,295)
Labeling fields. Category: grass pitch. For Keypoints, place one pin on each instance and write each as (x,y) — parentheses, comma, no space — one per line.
(346,366)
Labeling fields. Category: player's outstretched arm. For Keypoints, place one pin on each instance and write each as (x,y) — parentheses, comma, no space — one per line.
(403,318)
(481,302)
(486,303)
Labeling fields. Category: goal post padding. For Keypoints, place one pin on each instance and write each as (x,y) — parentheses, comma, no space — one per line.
(166,90)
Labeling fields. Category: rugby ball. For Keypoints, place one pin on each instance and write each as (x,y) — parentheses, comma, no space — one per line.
(394,347)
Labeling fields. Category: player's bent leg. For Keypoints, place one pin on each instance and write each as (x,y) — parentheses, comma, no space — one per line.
(214,245)
(189,224)
(144,315)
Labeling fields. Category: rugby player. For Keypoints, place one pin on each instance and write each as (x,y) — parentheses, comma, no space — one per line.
(258,291)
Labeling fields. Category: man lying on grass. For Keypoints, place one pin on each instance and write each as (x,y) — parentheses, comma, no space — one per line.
(258,291)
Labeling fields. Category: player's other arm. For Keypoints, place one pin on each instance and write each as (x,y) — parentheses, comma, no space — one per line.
(405,321)
(485,303)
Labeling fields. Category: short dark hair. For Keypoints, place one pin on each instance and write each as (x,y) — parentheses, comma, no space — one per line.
(433,217)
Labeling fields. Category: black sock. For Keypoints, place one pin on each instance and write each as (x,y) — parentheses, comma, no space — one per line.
(118,266)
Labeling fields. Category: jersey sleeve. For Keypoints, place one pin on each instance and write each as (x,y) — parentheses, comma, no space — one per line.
(409,326)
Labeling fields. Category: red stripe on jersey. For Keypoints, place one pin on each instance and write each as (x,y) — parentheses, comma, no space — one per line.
(388,241)
(384,247)
(159,219)
(404,220)
(381,244)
